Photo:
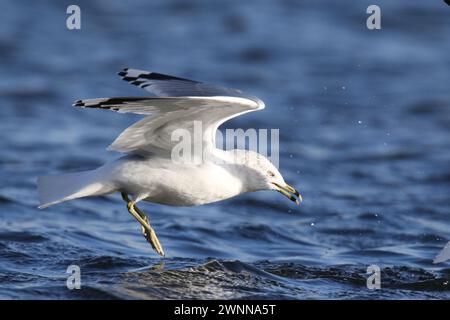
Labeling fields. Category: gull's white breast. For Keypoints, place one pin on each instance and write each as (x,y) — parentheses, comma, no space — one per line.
(162,181)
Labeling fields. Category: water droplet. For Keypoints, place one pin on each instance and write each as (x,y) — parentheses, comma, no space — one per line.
(312,224)
(344,88)
(359,121)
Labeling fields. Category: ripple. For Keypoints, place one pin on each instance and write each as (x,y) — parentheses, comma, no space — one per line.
(21,237)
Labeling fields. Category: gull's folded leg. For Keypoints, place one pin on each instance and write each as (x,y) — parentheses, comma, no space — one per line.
(147,230)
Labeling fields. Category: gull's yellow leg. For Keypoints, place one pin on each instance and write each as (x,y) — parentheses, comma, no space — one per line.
(141,214)
(147,230)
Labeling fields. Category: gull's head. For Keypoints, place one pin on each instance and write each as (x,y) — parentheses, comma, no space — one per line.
(263,175)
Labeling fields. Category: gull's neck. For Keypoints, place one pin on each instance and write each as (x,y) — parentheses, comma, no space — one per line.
(241,164)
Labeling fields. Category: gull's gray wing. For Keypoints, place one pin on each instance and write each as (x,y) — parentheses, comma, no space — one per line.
(162,85)
(164,115)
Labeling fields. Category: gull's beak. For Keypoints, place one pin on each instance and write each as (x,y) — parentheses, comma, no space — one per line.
(289,192)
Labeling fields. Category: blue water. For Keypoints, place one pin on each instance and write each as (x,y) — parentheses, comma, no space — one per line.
(364,119)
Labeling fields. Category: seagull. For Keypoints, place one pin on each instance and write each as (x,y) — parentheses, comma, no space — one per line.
(147,170)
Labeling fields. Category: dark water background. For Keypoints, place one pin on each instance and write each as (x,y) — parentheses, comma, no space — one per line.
(364,118)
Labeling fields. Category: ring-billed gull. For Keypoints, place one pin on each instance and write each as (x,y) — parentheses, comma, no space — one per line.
(148,171)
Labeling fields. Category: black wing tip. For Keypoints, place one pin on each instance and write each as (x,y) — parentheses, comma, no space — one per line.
(123,72)
(129,79)
(163,77)
(147,75)
(78,103)
(107,103)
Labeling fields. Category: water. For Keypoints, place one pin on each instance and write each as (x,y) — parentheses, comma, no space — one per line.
(364,119)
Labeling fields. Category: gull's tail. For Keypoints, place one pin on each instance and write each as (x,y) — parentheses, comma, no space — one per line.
(58,188)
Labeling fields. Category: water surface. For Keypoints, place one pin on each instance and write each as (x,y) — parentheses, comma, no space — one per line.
(364,119)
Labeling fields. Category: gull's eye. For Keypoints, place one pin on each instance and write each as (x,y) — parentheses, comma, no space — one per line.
(270,173)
